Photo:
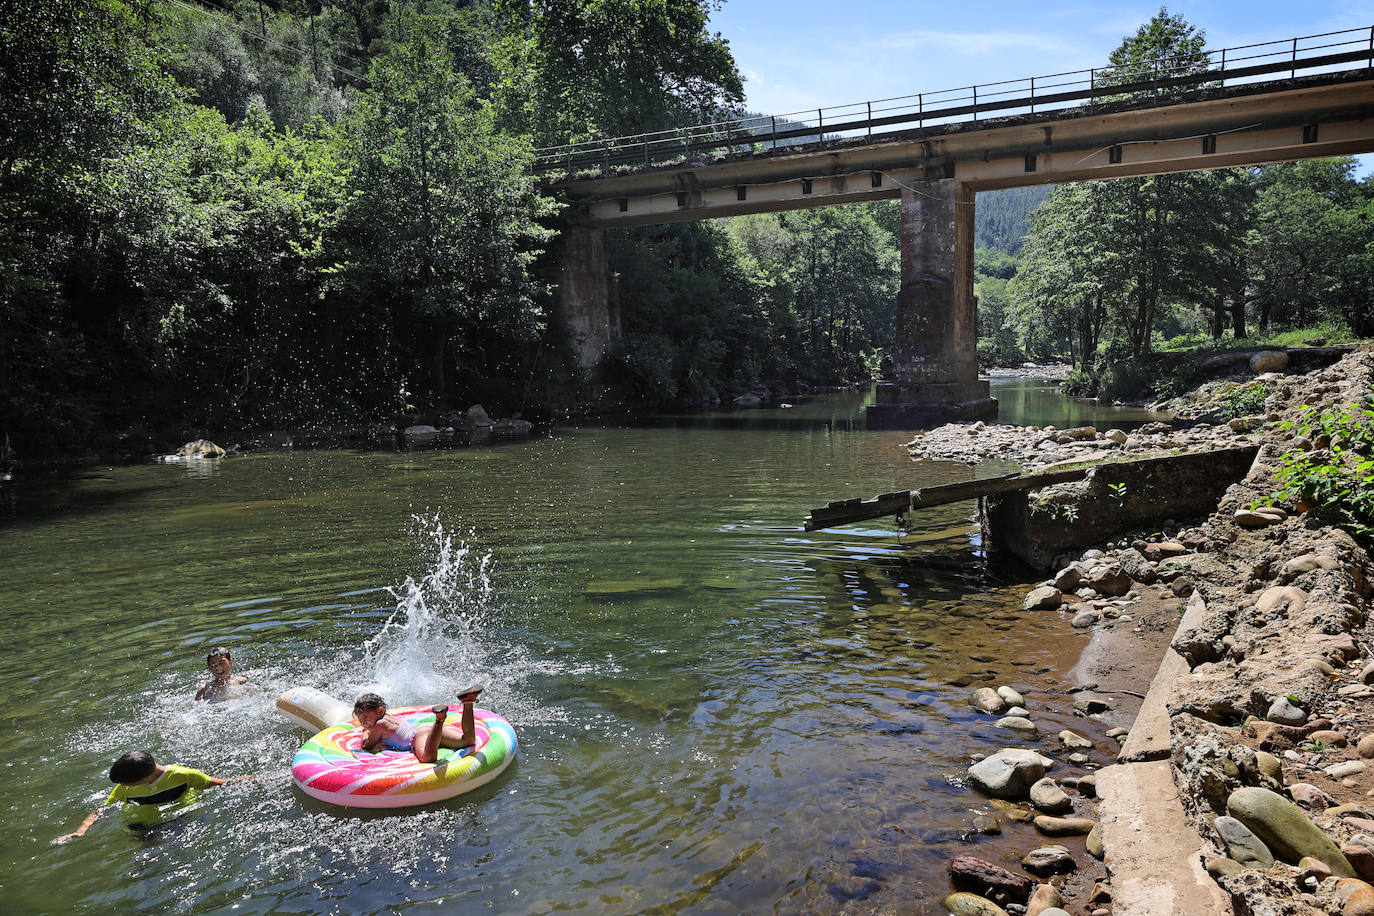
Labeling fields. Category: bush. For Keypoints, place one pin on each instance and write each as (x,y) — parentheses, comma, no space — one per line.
(1241,400)
(1338,480)
(1079,383)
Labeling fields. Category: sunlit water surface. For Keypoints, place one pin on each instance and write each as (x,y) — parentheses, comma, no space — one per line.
(717,711)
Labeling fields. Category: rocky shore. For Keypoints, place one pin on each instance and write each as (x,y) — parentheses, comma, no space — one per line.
(1246,782)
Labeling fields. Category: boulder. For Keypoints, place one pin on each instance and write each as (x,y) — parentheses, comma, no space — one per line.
(1046,795)
(1109,580)
(1048,860)
(1011,696)
(1285,829)
(200,448)
(477,416)
(1242,844)
(1269,361)
(970,873)
(962,903)
(512,427)
(1044,598)
(1009,773)
(1135,564)
(986,699)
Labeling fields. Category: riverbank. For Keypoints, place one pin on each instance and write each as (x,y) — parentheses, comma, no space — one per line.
(1256,709)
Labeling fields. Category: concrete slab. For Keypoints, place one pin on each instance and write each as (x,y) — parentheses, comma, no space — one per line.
(1153,856)
(1149,736)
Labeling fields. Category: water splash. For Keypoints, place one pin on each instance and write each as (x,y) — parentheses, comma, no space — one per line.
(435,636)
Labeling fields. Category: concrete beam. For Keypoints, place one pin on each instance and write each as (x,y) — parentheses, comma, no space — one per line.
(1249,126)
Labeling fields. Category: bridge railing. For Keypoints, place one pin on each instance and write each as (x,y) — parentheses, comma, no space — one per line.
(1328,52)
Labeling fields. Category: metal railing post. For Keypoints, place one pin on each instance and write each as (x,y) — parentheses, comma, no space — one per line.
(975,103)
(1371,47)
(1092,85)
(1223,68)
(1293,74)
(820,126)
(774,120)
(870,119)
(920,110)
(1032,95)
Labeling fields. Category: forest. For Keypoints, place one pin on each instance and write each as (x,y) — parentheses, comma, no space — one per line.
(304,213)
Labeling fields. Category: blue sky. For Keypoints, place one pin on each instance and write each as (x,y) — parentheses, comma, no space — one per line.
(803,54)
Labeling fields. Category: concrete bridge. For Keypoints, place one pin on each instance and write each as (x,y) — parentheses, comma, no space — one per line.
(1294,99)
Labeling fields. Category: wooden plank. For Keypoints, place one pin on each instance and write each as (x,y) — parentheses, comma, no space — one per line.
(989,486)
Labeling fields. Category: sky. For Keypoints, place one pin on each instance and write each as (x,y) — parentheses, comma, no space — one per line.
(803,54)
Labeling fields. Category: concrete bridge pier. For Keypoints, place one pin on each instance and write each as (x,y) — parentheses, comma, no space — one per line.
(935,345)
(588,310)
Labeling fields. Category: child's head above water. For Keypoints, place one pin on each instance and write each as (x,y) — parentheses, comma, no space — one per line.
(132,768)
(369,702)
(220,662)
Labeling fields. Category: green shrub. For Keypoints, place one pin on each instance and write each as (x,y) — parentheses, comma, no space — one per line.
(1338,480)
(1079,383)
(1125,380)
(1241,400)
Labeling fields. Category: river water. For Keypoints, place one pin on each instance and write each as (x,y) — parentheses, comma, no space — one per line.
(717,711)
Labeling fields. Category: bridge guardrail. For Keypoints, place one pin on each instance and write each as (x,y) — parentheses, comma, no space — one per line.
(1330,52)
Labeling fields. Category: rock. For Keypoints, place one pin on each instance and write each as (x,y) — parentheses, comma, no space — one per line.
(1355,897)
(477,416)
(1298,566)
(1361,858)
(1087,785)
(1084,619)
(1286,600)
(1329,738)
(987,825)
(1068,579)
(1072,739)
(1046,795)
(1109,580)
(1367,674)
(962,903)
(1269,765)
(1088,706)
(1313,868)
(1048,860)
(1269,361)
(1181,587)
(986,699)
(1248,519)
(1306,795)
(1009,773)
(1063,826)
(1366,747)
(1010,696)
(1044,897)
(512,427)
(1017,724)
(1338,645)
(1284,828)
(1136,565)
(1345,768)
(1116,435)
(1242,844)
(1044,598)
(1094,843)
(970,873)
(1284,712)
(200,448)
(1054,911)
(1221,867)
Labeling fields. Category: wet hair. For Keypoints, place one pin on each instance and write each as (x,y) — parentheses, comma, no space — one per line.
(369,702)
(132,767)
(218,652)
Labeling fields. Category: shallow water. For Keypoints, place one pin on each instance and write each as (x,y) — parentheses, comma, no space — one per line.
(717,712)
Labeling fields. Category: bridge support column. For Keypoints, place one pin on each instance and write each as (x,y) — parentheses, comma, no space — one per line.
(583,295)
(935,347)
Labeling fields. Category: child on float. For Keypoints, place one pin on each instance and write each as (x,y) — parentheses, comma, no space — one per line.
(222,679)
(382,729)
(142,781)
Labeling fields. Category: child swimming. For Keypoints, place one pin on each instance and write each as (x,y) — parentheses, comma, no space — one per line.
(221,665)
(381,729)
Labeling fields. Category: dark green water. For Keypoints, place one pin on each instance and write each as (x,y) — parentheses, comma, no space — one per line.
(717,712)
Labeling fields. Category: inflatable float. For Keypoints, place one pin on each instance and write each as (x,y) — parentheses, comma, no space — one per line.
(333,767)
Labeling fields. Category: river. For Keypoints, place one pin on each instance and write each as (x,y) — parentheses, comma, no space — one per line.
(717,711)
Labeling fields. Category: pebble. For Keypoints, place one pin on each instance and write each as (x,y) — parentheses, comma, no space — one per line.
(1284,712)
(1048,860)
(986,699)
(1044,598)
(1017,724)
(1063,826)
(1345,768)
(1094,843)
(1073,739)
(965,904)
(1010,696)
(1242,844)
(1046,795)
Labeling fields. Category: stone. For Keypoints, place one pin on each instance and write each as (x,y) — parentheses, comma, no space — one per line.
(1269,361)
(1084,619)
(986,699)
(1345,768)
(477,416)
(1010,696)
(1044,598)
(1046,795)
(1242,844)
(1116,435)
(1221,867)
(1284,712)
(1299,565)
(1048,860)
(1182,586)
(1367,674)
(970,873)
(1018,724)
(987,824)
(1313,868)
(1136,565)
(1087,785)
(1361,858)
(1248,519)
(1356,898)
(1063,826)
(1068,579)
(962,903)
(1109,580)
(201,448)
(1094,843)
(1308,796)
(1009,773)
(1340,645)
(1044,897)
(1054,911)
(1072,739)
(1329,738)
(1287,600)
(1366,747)
(1269,765)
(1284,828)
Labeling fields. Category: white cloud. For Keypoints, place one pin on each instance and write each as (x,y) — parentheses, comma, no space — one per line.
(970,43)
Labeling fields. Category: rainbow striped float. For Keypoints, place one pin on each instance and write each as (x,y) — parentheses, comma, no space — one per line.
(333,767)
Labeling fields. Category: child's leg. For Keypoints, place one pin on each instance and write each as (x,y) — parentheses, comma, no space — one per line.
(467,737)
(429,740)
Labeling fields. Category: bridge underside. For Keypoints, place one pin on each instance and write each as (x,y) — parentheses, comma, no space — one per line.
(936,171)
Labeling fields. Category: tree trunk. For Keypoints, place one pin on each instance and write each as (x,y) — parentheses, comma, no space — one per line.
(440,387)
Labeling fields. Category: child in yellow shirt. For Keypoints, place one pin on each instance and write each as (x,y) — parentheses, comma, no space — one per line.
(148,791)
